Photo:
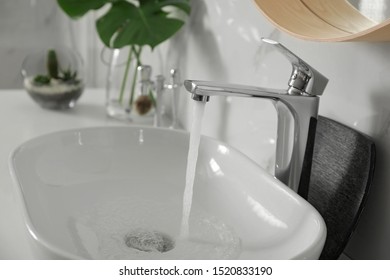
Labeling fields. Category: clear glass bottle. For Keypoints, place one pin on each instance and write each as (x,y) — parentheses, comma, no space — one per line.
(143,103)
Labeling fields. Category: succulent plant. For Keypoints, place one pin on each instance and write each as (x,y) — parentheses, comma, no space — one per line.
(54,71)
(41,80)
(69,76)
(52,64)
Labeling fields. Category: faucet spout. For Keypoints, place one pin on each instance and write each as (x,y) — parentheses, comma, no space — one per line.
(297,117)
(297,110)
(207,89)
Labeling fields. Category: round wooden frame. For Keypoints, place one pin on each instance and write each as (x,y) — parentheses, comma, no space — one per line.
(330,20)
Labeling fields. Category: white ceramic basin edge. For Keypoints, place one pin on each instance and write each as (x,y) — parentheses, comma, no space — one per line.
(64,178)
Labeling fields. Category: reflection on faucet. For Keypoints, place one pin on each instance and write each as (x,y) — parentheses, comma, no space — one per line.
(297,109)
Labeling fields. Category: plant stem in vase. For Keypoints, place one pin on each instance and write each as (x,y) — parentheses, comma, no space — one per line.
(134,24)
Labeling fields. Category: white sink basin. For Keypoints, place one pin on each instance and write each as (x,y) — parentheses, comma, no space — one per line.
(88,193)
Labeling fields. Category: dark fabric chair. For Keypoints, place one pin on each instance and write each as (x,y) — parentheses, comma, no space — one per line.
(342,172)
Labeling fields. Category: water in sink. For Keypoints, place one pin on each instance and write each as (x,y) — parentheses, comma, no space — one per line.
(129,228)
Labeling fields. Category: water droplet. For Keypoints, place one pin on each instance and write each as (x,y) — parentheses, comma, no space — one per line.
(141,136)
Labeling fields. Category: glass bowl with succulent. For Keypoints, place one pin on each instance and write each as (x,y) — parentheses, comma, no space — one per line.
(53,77)
(127,27)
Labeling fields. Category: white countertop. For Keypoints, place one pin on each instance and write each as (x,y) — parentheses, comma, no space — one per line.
(22,119)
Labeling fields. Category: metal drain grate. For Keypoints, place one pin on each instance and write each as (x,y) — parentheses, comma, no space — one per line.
(149,241)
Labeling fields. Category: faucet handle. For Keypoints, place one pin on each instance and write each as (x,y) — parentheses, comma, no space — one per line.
(302,73)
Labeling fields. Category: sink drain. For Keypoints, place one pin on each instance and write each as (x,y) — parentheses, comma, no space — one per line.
(149,241)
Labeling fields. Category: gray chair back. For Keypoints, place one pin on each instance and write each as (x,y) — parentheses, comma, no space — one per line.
(342,172)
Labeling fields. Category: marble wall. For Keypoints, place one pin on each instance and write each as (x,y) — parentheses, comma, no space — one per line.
(222,42)
(24,26)
(30,25)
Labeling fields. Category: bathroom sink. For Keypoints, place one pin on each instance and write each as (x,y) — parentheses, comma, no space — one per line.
(116,193)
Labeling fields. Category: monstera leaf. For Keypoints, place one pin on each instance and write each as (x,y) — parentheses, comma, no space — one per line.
(78,8)
(142,22)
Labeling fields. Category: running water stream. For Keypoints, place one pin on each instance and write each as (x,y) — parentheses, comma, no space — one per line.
(198,112)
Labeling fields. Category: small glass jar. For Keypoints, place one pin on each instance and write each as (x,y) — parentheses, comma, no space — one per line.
(53,77)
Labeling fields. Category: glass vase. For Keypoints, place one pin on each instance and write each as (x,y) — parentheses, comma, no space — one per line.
(129,89)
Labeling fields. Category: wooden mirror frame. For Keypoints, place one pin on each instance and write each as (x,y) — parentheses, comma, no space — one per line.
(329,21)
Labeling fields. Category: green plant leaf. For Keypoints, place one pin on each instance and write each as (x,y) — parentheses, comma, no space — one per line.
(147,24)
(142,22)
(159,4)
(41,80)
(111,23)
(77,8)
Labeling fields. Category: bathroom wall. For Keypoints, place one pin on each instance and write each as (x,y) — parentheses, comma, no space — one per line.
(27,26)
(222,43)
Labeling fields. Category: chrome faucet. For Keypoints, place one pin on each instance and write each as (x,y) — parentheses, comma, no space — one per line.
(297,110)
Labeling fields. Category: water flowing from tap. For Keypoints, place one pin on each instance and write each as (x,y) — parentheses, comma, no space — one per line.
(198,112)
